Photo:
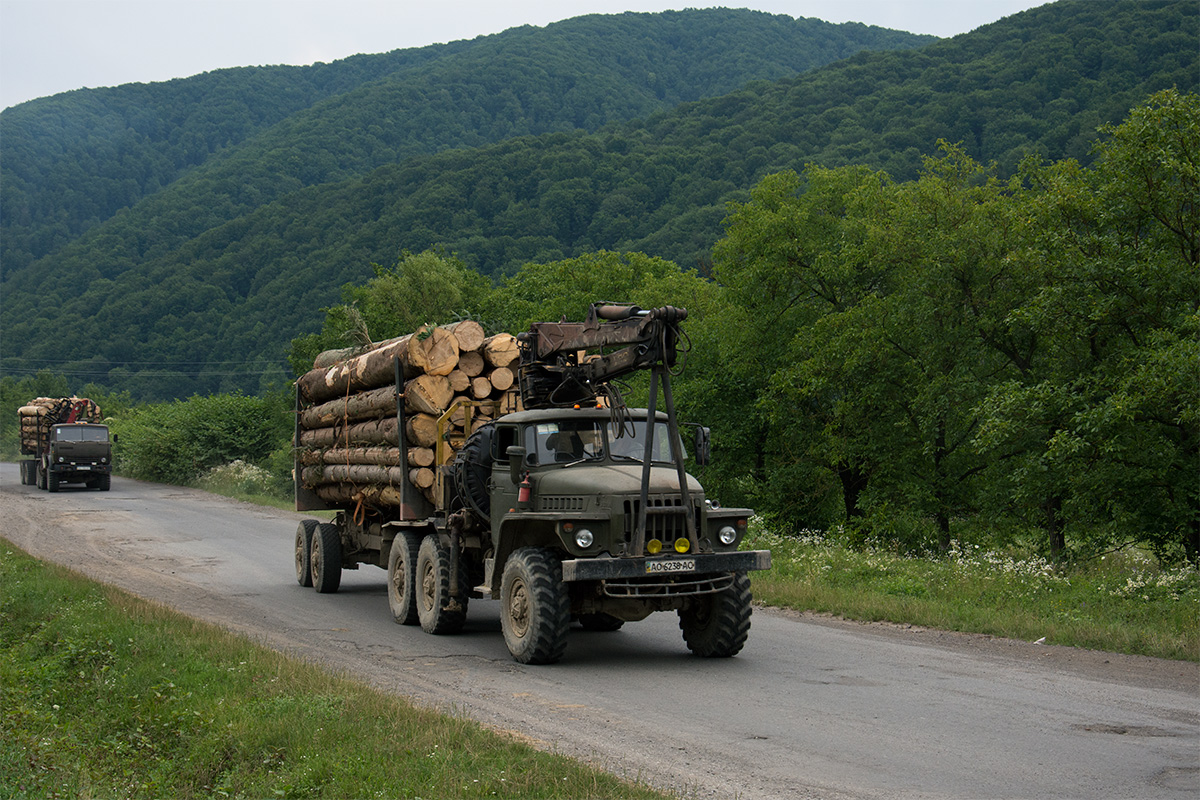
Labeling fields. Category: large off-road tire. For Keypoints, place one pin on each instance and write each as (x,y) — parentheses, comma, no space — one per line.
(51,481)
(437,611)
(716,625)
(402,578)
(600,622)
(535,611)
(325,560)
(104,483)
(27,472)
(40,476)
(302,547)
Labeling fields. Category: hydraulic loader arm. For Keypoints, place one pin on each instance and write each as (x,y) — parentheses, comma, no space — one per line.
(563,363)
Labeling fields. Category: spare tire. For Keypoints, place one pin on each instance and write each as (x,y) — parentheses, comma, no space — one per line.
(472,468)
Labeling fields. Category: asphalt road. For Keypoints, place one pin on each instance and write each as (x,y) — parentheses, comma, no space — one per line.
(812,708)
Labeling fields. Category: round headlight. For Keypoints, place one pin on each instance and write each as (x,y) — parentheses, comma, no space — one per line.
(654,547)
(584,538)
(727,535)
(61,459)
(682,545)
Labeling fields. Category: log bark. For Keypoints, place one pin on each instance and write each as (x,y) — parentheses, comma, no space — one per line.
(365,405)
(352,473)
(434,351)
(330,357)
(376,431)
(501,350)
(469,334)
(343,493)
(380,456)
(370,370)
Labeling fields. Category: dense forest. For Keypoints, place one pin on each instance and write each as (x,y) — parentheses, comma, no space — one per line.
(200,285)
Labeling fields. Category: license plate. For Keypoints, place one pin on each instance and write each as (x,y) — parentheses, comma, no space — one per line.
(674,565)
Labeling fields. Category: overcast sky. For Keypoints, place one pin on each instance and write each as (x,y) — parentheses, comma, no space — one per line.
(51,46)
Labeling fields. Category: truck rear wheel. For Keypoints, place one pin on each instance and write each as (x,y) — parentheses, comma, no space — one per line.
(535,611)
(325,561)
(717,625)
(437,611)
(402,578)
(303,551)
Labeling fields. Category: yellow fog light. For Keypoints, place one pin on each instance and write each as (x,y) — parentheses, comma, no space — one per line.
(682,545)
(654,547)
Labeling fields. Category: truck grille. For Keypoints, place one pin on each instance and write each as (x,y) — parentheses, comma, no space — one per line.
(560,503)
(666,519)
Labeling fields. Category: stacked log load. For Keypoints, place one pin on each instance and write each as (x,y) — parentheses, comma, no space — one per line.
(349,437)
(39,414)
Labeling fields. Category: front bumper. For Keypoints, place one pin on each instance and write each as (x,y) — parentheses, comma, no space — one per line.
(605,568)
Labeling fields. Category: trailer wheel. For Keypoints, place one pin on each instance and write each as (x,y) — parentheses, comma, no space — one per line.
(325,561)
(535,611)
(717,625)
(40,476)
(402,578)
(303,551)
(437,611)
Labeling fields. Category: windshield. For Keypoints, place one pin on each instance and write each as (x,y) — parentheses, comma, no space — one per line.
(627,441)
(564,441)
(81,433)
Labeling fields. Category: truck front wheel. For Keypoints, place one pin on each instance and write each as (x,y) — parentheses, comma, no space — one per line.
(535,611)
(325,561)
(402,578)
(52,481)
(437,611)
(717,625)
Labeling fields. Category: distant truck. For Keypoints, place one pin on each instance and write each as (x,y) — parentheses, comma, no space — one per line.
(574,509)
(68,443)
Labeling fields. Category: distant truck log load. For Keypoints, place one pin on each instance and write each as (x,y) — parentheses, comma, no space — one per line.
(470,466)
(68,441)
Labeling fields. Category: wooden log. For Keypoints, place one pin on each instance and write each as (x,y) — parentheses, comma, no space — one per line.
(428,394)
(343,493)
(370,370)
(471,363)
(501,350)
(370,404)
(381,456)
(501,378)
(481,388)
(469,334)
(459,381)
(330,357)
(422,477)
(434,351)
(460,412)
(420,456)
(352,473)
(421,430)
(376,431)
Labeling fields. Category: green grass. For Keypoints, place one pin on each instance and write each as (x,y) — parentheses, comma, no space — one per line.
(106,695)
(1120,603)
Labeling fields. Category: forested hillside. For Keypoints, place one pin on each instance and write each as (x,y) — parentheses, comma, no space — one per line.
(202,285)
(74,160)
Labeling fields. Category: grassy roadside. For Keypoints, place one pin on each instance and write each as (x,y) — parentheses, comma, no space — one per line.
(106,695)
(1122,603)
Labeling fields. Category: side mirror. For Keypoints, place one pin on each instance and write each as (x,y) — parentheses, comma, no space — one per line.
(516,462)
(115,437)
(703,445)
